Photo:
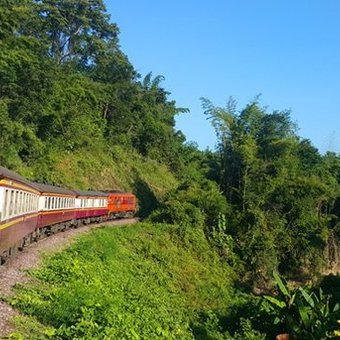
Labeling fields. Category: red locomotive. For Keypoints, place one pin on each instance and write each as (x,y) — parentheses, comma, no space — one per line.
(29,210)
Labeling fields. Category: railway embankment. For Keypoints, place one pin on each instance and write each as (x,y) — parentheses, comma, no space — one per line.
(14,272)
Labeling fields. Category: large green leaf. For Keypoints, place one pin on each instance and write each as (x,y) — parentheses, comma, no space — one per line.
(280,284)
(275,301)
(307,297)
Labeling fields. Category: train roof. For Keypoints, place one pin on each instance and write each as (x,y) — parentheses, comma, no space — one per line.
(90,193)
(47,188)
(118,192)
(5,173)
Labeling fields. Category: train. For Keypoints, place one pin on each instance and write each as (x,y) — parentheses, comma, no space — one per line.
(30,211)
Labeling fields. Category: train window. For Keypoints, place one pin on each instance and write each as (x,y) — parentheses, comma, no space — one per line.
(16,196)
(11,203)
(5,204)
(23,202)
(19,202)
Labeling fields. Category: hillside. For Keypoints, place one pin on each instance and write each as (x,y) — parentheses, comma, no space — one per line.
(141,281)
(220,225)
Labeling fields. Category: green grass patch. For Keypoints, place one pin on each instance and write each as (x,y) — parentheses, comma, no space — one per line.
(136,282)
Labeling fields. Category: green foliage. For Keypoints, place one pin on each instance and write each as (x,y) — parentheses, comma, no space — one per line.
(302,312)
(192,203)
(281,191)
(66,89)
(141,281)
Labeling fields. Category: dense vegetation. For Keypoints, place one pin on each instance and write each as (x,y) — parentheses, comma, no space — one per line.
(137,282)
(74,112)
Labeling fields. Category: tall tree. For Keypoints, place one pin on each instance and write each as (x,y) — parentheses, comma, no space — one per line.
(274,181)
(76,30)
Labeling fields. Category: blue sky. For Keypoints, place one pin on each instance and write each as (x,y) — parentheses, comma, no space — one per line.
(289,51)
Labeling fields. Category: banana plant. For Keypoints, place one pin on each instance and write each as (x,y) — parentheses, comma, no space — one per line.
(302,312)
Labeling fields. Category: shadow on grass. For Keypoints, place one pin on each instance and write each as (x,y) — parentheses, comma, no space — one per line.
(147,201)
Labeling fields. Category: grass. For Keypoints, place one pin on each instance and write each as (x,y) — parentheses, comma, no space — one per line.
(136,282)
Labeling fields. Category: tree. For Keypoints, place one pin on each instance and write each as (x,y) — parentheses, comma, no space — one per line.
(278,191)
(75,30)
